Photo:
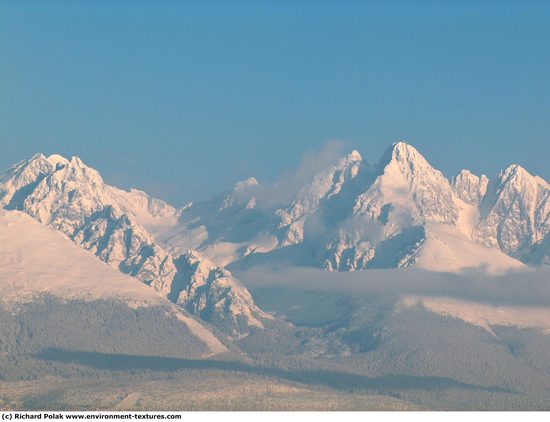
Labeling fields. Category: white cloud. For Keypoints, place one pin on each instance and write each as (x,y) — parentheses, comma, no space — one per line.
(529,287)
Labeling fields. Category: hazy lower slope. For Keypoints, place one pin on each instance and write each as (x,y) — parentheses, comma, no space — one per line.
(36,260)
(430,350)
(65,311)
(53,293)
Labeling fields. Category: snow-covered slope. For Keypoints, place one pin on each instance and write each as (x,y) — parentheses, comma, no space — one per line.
(37,261)
(482,314)
(113,224)
(447,249)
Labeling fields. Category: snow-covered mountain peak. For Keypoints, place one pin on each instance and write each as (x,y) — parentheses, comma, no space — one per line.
(403,149)
(38,163)
(470,187)
(242,195)
(515,175)
(243,184)
(406,181)
(75,169)
(467,174)
(323,186)
(37,159)
(56,159)
(330,180)
(405,154)
(515,215)
(513,183)
(403,165)
(514,171)
(37,156)
(46,186)
(22,177)
(354,156)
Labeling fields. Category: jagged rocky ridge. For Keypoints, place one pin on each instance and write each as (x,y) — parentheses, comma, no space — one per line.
(515,216)
(351,215)
(395,213)
(113,224)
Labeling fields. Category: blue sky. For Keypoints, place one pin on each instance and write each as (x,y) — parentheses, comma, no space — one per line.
(182,99)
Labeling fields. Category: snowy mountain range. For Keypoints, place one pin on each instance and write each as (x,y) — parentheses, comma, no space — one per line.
(353,215)
(350,216)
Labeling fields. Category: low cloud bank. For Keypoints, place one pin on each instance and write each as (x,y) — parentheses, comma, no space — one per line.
(530,287)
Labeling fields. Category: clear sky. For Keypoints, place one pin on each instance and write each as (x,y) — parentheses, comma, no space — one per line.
(182,99)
